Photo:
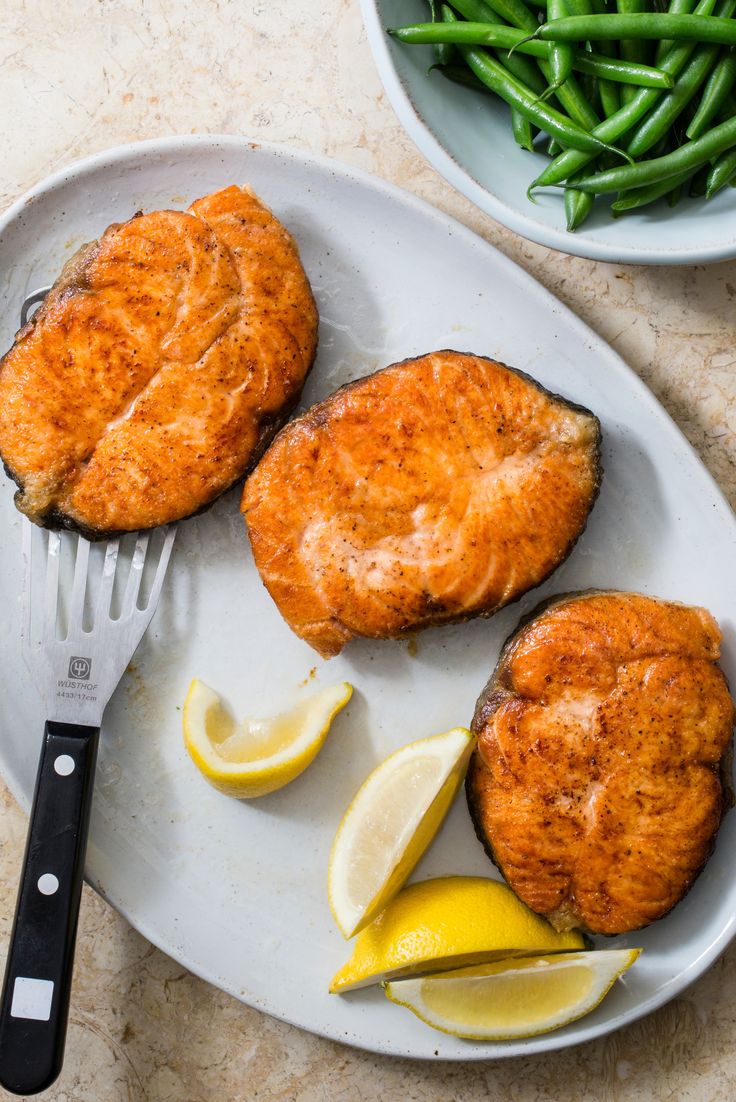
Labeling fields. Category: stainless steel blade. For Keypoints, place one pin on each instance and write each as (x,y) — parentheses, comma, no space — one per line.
(78,653)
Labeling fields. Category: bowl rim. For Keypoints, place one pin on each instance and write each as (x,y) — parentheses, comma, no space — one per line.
(574,244)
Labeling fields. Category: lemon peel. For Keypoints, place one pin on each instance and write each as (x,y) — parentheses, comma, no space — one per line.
(260,755)
(512,999)
(448,923)
(394,816)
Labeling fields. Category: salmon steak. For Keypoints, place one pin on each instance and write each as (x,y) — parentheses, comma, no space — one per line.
(602,767)
(160,365)
(438,489)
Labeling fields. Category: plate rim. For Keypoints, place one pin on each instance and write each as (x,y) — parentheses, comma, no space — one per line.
(572,244)
(182,144)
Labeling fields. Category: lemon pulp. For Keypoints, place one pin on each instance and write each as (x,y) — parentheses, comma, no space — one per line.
(445,923)
(512,999)
(253,739)
(257,756)
(389,824)
(517,998)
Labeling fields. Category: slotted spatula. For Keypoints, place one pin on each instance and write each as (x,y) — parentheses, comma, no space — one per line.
(76,676)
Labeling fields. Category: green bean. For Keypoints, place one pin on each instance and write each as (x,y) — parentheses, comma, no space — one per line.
(460,74)
(522,68)
(517,14)
(610,97)
(662,117)
(518,95)
(676,7)
(687,28)
(512,11)
(681,123)
(522,130)
(640,197)
(611,129)
(590,91)
(631,49)
(443,51)
(609,93)
(720,83)
(655,109)
(571,98)
(721,172)
(570,94)
(482,14)
(622,72)
(578,7)
(477,11)
(560,59)
(504,37)
(578,205)
(691,155)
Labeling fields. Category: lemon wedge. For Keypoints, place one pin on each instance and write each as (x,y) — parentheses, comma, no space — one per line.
(513,998)
(448,923)
(393,818)
(259,755)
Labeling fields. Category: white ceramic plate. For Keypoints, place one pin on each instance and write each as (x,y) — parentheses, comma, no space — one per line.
(236,891)
(468,139)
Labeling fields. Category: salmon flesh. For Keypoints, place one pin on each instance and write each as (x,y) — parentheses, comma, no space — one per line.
(158,368)
(438,489)
(601,771)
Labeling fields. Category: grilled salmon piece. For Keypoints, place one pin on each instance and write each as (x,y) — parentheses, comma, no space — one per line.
(436,490)
(596,781)
(158,368)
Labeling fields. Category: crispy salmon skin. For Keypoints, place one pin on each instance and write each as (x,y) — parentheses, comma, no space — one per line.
(159,367)
(438,489)
(596,784)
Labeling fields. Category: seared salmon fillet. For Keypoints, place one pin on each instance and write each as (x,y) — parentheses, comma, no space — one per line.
(438,489)
(596,781)
(158,368)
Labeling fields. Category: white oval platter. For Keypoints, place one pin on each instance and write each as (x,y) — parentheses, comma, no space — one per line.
(236,891)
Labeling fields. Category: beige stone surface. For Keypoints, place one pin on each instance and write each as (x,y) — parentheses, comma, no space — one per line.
(87,74)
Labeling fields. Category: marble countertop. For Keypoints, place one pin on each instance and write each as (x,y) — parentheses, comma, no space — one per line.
(80,77)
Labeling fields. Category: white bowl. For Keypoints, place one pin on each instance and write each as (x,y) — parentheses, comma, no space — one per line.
(467,138)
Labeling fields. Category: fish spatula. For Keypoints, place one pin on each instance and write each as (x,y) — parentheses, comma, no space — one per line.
(80,629)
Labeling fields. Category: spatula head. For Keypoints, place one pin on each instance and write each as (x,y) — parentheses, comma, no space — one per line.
(85,610)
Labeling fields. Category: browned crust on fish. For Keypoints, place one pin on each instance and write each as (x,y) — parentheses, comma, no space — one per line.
(159,367)
(395,454)
(603,764)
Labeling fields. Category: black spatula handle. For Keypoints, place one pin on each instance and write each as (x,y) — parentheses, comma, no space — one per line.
(34,1005)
